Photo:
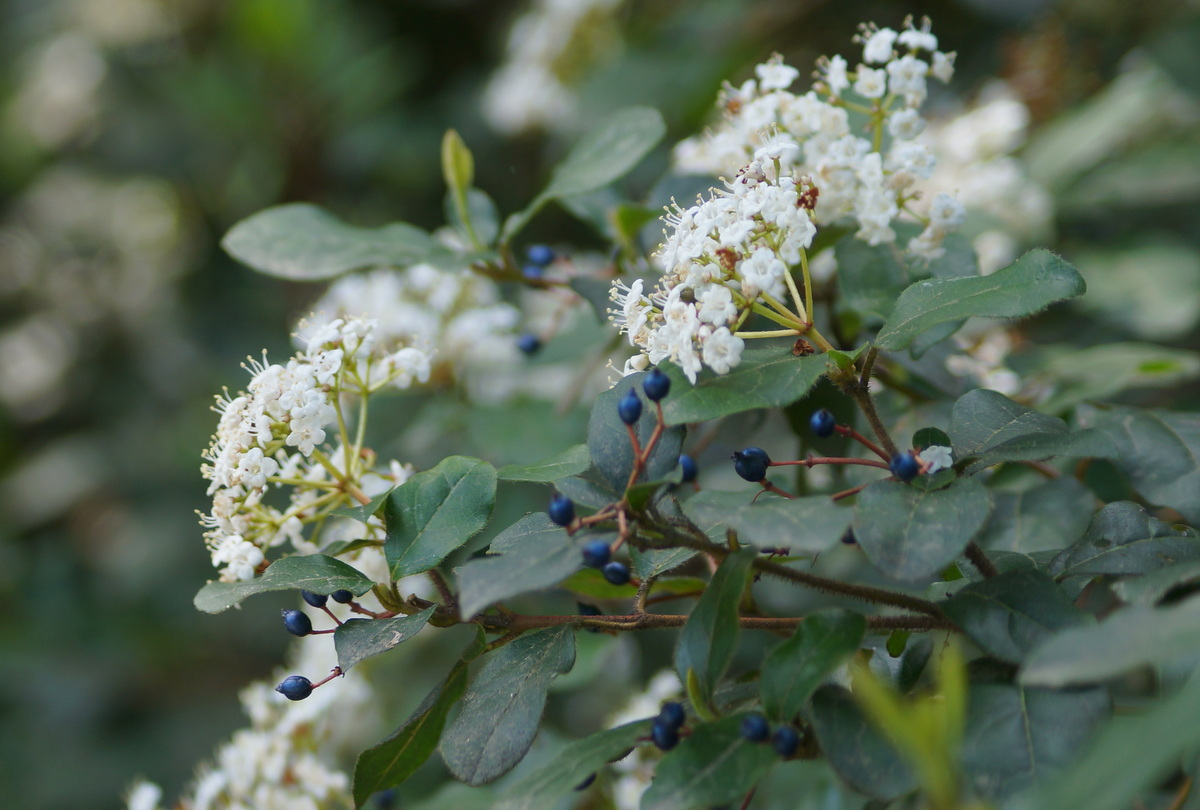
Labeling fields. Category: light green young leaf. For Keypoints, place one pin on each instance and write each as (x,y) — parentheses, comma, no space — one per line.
(856,750)
(315,572)
(502,708)
(1029,285)
(436,511)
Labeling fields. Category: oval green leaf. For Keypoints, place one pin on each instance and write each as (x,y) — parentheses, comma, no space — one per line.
(315,572)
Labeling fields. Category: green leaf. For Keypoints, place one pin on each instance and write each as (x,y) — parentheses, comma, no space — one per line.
(533,554)
(651,563)
(396,758)
(990,427)
(713,765)
(804,525)
(709,638)
(357,639)
(315,572)
(869,278)
(1123,538)
(602,156)
(1132,637)
(1010,614)
(586,493)
(1016,738)
(931,437)
(458,166)
(1101,372)
(859,753)
(502,708)
(766,378)
(1158,451)
(1029,285)
(436,511)
(302,242)
(795,668)
(1131,755)
(364,512)
(591,583)
(1151,588)
(572,461)
(609,444)
(1041,518)
(544,787)
(910,534)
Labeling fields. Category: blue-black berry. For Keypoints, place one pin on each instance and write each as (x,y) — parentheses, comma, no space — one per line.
(342,596)
(786,741)
(657,385)
(588,610)
(532,272)
(617,573)
(297,622)
(688,465)
(672,714)
(317,600)
(587,783)
(386,799)
(596,553)
(629,407)
(822,423)
(528,343)
(295,687)
(541,255)
(561,509)
(904,466)
(848,538)
(664,736)
(751,463)
(755,728)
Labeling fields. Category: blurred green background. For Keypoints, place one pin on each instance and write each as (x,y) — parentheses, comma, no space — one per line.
(134,133)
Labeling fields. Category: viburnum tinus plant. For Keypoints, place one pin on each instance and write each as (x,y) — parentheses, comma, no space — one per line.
(877,580)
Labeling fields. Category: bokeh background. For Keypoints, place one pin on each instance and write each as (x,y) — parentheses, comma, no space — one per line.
(134,133)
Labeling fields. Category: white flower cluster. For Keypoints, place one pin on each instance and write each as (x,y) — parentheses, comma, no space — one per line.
(272,763)
(983,349)
(722,258)
(272,435)
(553,39)
(869,179)
(457,318)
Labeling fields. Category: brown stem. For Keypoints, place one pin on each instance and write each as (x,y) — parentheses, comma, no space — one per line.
(767,486)
(861,439)
(518,623)
(443,588)
(861,392)
(812,461)
(980,560)
(846,493)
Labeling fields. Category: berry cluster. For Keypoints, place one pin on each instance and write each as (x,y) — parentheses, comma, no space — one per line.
(785,740)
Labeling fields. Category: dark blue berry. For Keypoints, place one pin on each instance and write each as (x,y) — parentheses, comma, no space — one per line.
(297,622)
(317,600)
(848,538)
(532,272)
(690,470)
(528,343)
(672,714)
(588,610)
(751,463)
(629,407)
(755,728)
(617,573)
(822,423)
(587,783)
(664,736)
(386,799)
(596,553)
(561,509)
(342,595)
(295,687)
(905,466)
(786,741)
(540,255)
(657,385)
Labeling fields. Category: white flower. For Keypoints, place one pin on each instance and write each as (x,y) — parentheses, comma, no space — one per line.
(722,350)
(906,124)
(775,75)
(407,365)
(834,70)
(144,796)
(936,457)
(906,77)
(911,157)
(870,82)
(877,48)
(943,66)
(716,305)
(946,211)
(254,469)
(241,558)
(918,39)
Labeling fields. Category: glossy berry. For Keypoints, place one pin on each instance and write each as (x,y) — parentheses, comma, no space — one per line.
(755,728)
(672,714)
(561,509)
(751,463)
(822,423)
(586,783)
(786,741)
(596,553)
(629,407)
(690,470)
(528,343)
(297,622)
(904,466)
(317,600)
(617,573)
(295,687)
(343,596)
(532,272)
(386,799)
(541,255)
(664,736)
(657,385)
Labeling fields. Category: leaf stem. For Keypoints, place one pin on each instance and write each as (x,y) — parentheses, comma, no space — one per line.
(981,561)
